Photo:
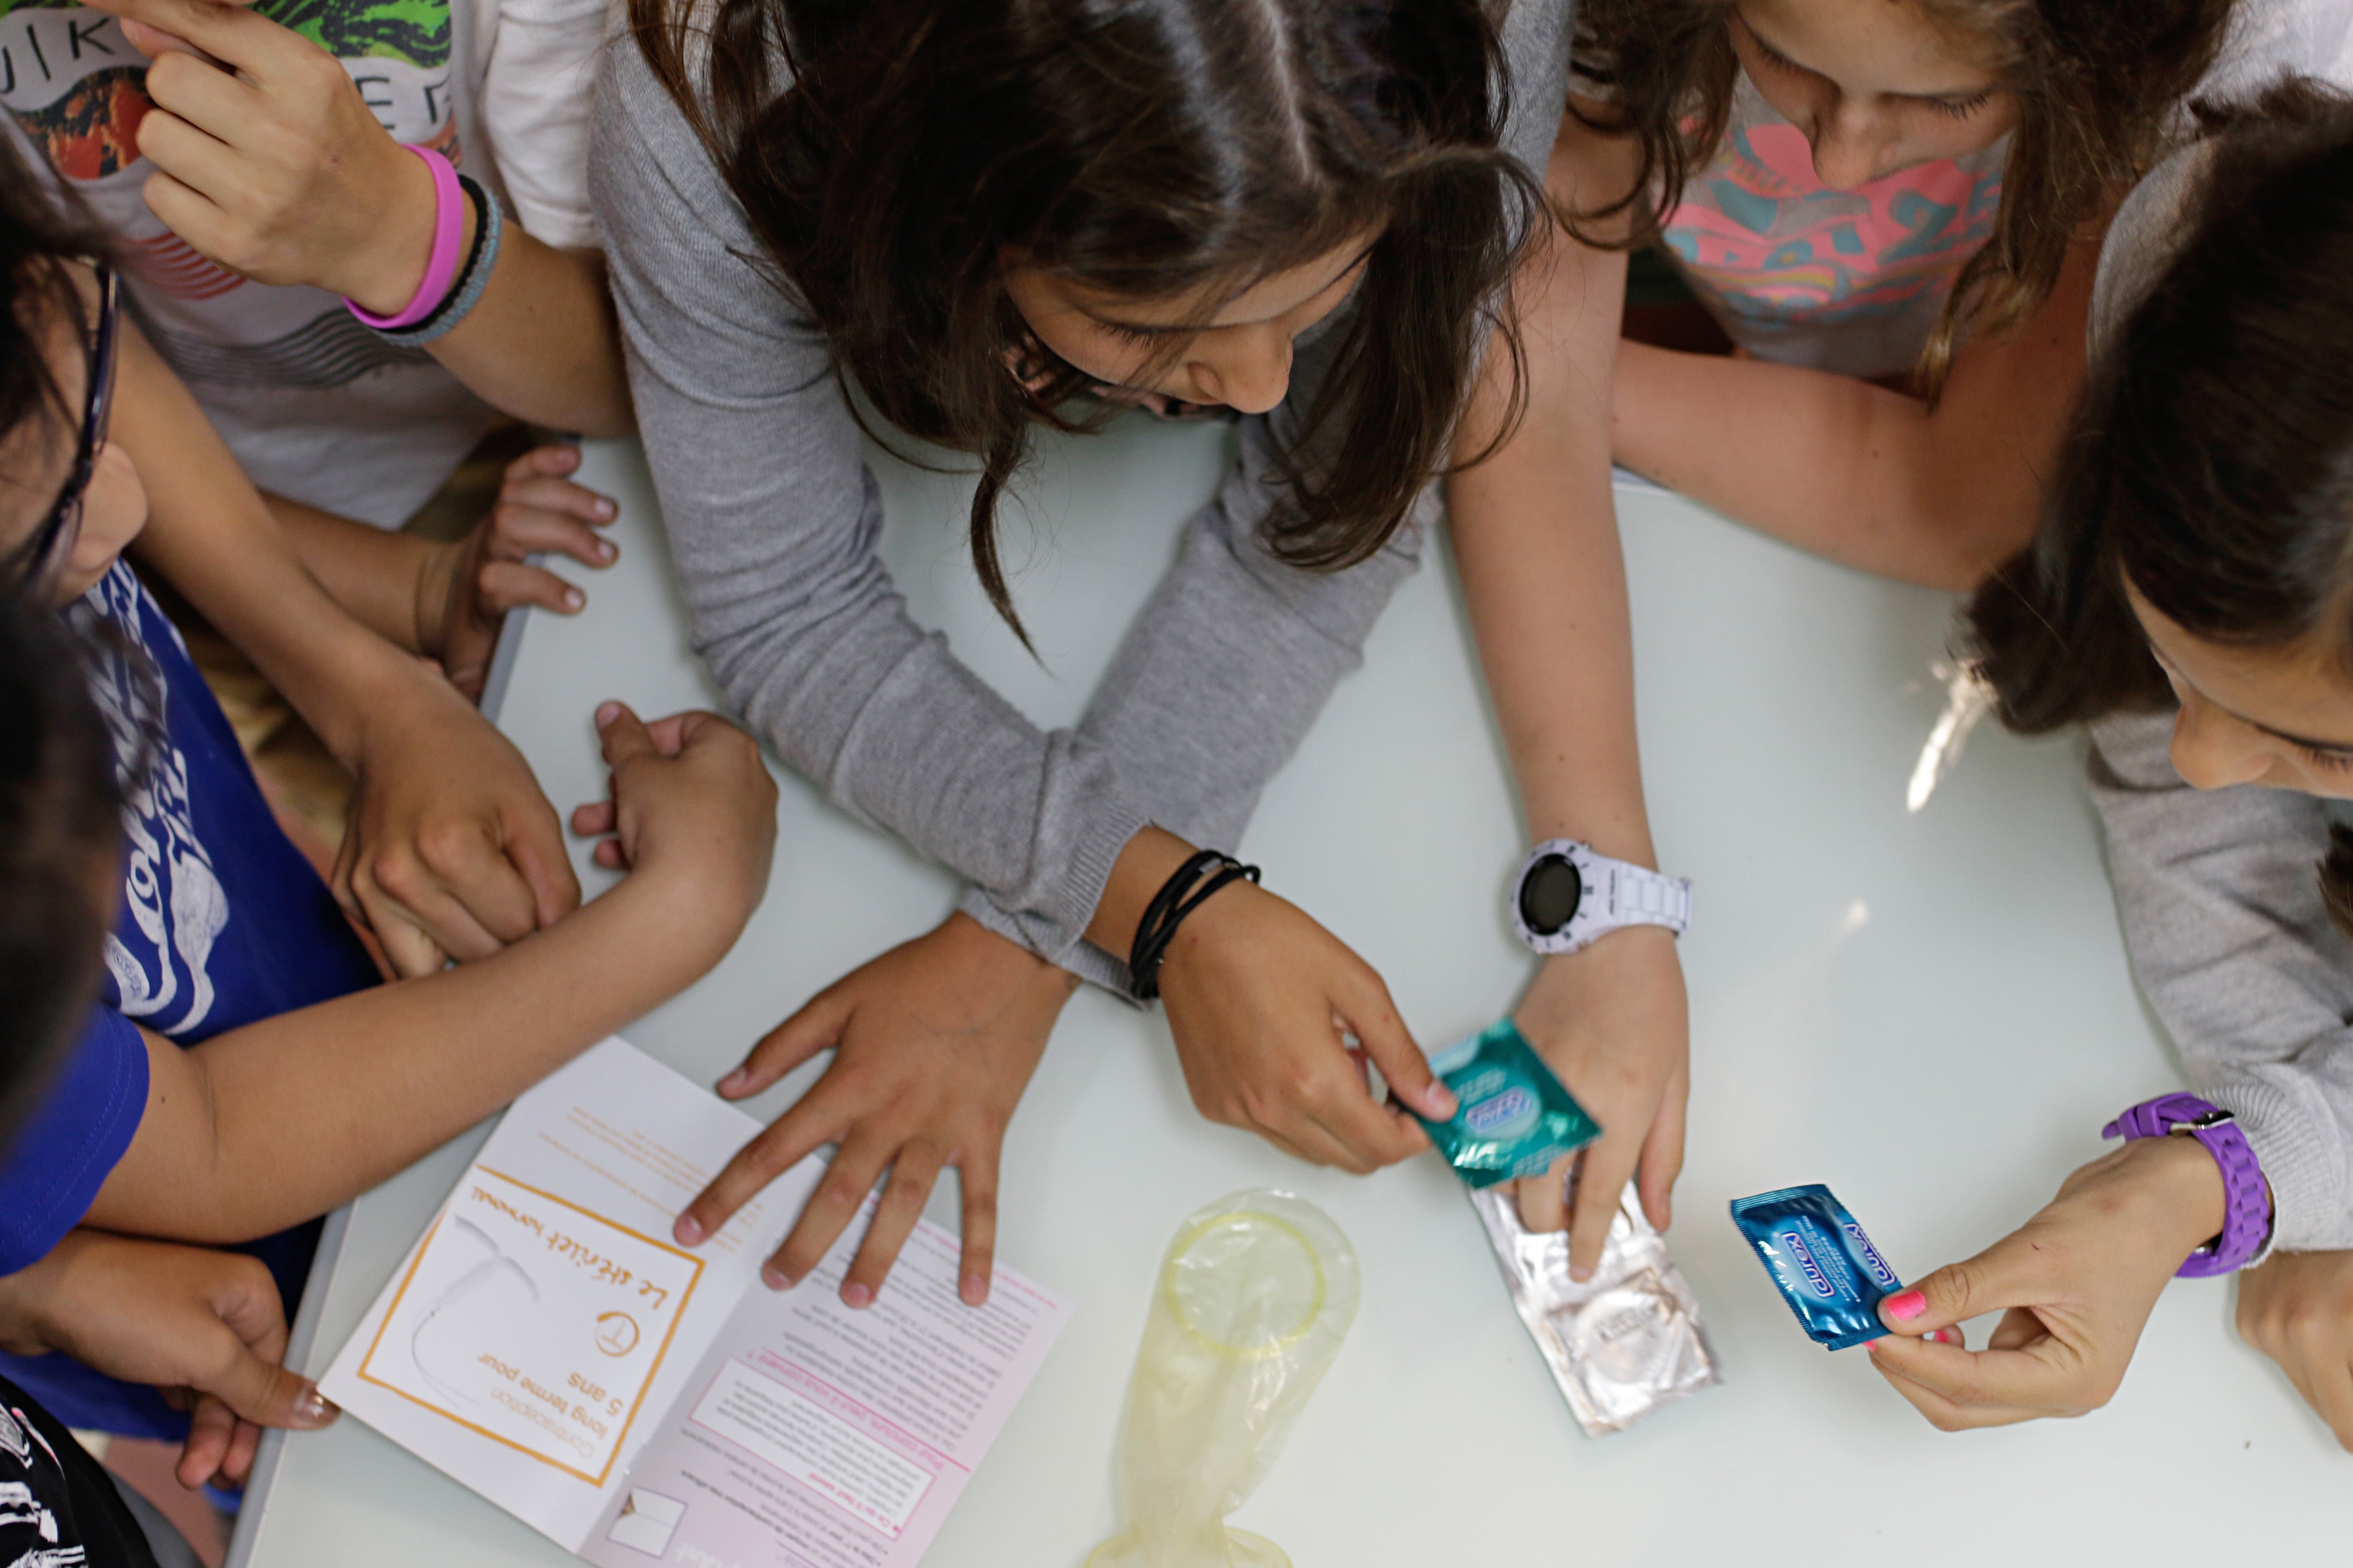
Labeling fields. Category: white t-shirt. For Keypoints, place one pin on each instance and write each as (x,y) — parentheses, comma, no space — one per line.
(315,405)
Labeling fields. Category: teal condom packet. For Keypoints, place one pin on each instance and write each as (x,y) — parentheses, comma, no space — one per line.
(1511,1117)
(1827,1269)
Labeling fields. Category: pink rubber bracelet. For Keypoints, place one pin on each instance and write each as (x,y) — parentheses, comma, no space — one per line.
(441,266)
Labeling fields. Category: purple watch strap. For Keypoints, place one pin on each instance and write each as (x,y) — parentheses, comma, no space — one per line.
(2246,1201)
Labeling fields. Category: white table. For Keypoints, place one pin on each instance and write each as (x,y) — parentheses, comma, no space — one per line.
(1929,1010)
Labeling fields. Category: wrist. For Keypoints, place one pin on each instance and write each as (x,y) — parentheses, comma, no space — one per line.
(1005,961)
(2181,1190)
(1144,865)
(383,271)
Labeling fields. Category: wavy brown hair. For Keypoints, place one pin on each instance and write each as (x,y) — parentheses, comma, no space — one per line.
(2095,81)
(891,154)
(2212,462)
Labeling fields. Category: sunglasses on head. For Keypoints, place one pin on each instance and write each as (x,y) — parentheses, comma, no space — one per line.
(53,540)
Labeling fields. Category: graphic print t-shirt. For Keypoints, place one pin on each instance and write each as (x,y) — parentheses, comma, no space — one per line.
(223,924)
(315,406)
(1849,281)
(57,1507)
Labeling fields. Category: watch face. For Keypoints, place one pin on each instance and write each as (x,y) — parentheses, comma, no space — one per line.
(1550,895)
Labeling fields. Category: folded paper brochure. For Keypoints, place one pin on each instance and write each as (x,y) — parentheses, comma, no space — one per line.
(547,1344)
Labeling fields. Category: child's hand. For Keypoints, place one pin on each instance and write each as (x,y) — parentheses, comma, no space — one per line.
(1612,1023)
(451,850)
(468,587)
(269,161)
(934,1042)
(203,1325)
(691,802)
(2075,1286)
(2297,1309)
(1260,997)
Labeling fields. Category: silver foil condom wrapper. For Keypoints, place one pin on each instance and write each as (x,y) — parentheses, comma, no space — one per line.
(1624,1343)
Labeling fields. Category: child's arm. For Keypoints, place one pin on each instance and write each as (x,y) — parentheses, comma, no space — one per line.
(179,1317)
(447,601)
(268,1125)
(452,849)
(271,163)
(1935,494)
(1535,534)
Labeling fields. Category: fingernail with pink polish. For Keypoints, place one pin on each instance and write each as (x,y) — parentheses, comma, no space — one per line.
(776,1278)
(573,598)
(315,1408)
(1906,1305)
(734,1082)
(607,712)
(689,1231)
(976,1290)
(855,1295)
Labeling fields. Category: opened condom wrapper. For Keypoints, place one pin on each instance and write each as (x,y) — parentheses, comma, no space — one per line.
(1623,1342)
(1513,1118)
(1832,1276)
(1254,1295)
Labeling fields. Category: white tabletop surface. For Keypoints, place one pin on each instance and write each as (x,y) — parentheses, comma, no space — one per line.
(1928,1010)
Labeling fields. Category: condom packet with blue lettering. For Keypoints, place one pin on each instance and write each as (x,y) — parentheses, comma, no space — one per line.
(1825,1265)
(1511,1117)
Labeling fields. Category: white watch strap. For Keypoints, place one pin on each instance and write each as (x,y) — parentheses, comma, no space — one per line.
(1635,895)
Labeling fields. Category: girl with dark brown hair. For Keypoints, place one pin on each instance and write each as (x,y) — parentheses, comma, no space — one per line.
(974,211)
(2190,598)
(1894,209)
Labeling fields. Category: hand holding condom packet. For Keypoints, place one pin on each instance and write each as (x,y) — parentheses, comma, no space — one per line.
(1623,1342)
(1827,1269)
(1512,1117)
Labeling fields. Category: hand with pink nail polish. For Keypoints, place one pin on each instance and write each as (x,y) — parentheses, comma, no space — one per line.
(2075,1285)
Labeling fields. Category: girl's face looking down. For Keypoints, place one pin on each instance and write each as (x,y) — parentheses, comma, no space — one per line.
(1875,85)
(1209,345)
(37,459)
(2282,717)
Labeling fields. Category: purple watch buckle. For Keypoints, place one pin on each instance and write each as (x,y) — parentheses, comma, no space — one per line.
(2246,1200)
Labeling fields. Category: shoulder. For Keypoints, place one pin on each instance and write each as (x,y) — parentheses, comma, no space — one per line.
(2269,39)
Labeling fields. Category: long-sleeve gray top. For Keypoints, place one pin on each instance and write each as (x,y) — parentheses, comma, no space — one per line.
(773,518)
(2222,912)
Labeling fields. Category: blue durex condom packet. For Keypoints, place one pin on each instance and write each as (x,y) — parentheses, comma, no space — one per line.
(1513,1119)
(1828,1268)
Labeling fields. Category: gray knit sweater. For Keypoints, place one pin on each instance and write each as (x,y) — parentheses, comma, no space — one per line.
(773,519)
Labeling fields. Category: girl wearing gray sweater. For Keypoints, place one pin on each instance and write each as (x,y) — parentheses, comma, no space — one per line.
(2191,598)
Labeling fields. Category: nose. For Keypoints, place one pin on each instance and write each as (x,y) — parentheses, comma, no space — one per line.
(1245,368)
(1847,144)
(2212,751)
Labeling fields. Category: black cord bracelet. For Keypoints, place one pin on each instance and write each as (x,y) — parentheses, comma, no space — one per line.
(1201,875)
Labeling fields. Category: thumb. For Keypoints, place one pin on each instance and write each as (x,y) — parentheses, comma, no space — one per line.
(623,735)
(269,1396)
(1373,1019)
(1958,1291)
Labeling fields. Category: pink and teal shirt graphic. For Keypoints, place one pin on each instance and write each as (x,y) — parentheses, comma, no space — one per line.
(1845,280)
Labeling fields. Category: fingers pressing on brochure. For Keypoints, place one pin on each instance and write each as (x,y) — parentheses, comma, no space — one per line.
(2297,1309)
(466,592)
(934,1042)
(451,851)
(2075,1285)
(1613,1024)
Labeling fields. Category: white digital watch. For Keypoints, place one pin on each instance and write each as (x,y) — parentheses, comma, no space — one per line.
(1568,898)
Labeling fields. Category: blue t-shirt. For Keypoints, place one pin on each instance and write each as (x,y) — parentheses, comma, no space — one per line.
(223,923)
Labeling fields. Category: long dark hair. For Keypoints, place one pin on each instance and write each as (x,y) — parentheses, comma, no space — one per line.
(2212,462)
(890,154)
(60,785)
(2096,81)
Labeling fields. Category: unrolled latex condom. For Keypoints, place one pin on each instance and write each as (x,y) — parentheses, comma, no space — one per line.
(1255,1294)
